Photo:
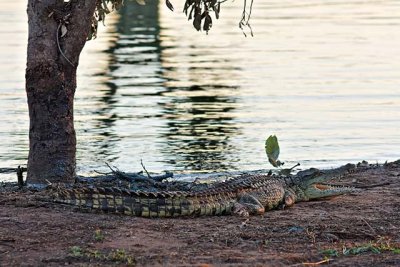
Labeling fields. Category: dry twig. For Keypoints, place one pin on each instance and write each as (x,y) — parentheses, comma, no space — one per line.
(316,263)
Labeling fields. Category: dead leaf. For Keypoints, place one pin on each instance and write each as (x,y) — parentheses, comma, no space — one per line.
(63,30)
(197,22)
(207,23)
(169,5)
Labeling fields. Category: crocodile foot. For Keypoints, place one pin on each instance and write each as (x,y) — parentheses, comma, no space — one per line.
(240,210)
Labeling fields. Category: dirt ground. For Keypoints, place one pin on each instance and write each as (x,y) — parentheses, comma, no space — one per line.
(360,229)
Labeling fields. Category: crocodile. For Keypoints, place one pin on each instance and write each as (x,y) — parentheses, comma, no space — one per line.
(244,195)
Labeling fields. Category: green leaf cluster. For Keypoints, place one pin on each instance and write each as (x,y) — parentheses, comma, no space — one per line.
(76,251)
(272,150)
(117,255)
(330,252)
(361,249)
(98,235)
(374,247)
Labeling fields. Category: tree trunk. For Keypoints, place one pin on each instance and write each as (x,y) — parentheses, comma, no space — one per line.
(51,84)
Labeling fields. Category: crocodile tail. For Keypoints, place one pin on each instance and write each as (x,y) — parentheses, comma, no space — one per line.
(146,204)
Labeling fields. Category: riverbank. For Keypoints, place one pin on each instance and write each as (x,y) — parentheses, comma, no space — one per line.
(359,229)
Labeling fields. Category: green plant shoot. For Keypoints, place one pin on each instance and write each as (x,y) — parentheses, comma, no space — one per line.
(272,150)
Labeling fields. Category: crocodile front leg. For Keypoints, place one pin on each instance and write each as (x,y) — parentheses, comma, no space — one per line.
(288,200)
(248,205)
(265,198)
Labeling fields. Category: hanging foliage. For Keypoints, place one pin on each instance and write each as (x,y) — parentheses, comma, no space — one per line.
(197,10)
(103,7)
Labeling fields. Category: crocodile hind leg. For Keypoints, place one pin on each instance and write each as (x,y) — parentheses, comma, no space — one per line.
(248,205)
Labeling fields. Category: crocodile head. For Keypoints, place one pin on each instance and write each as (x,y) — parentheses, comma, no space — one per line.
(312,183)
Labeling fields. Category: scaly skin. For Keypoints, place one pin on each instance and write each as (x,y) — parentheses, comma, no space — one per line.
(244,195)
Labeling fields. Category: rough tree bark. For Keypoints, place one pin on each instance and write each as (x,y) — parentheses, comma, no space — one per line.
(51,84)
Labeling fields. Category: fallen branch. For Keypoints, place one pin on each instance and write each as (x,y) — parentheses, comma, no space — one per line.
(138,177)
(130,178)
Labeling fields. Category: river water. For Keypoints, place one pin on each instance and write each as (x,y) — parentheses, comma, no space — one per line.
(323,75)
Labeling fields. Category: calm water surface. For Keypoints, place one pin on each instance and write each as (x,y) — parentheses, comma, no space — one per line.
(324,76)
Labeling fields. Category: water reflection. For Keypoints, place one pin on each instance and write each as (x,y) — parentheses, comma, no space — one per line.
(94,114)
(200,123)
(129,65)
(105,122)
(191,121)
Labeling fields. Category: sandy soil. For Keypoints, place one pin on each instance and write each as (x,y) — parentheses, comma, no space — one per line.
(361,229)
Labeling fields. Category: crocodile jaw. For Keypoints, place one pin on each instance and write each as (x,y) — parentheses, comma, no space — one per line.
(316,190)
